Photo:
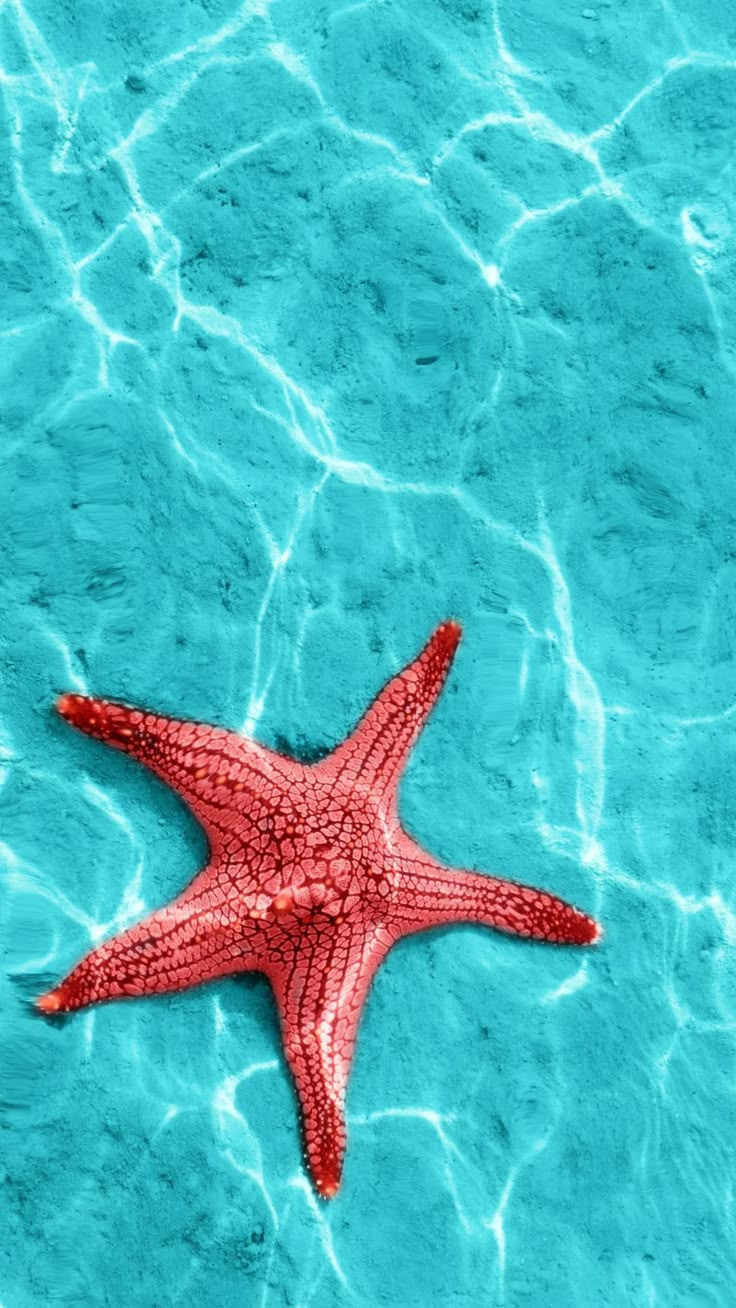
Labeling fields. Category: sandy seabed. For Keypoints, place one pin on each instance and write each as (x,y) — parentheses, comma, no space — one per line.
(322,323)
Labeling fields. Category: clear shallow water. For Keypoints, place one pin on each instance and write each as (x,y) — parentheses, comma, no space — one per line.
(322,323)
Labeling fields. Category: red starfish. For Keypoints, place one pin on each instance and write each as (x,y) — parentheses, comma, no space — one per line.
(311,880)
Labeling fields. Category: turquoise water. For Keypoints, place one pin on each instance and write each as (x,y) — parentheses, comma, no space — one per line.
(322,323)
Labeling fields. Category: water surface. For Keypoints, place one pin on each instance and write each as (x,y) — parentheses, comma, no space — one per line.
(322,323)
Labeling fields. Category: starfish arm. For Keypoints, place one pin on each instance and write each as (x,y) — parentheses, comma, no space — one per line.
(212,769)
(429,895)
(374,755)
(320,1001)
(176,947)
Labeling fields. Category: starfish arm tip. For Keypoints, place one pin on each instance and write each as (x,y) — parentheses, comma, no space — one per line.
(64,998)
(449,634)
(49,1003)
(574,928)
(96,717)
(327,1186)
(113,723)
(65,705)
(323,1154)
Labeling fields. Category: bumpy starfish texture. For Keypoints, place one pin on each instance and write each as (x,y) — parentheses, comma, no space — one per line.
(311,880)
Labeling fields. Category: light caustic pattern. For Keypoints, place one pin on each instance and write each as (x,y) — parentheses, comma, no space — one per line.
(320,322)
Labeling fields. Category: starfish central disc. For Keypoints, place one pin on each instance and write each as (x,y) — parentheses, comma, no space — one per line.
(311,880)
